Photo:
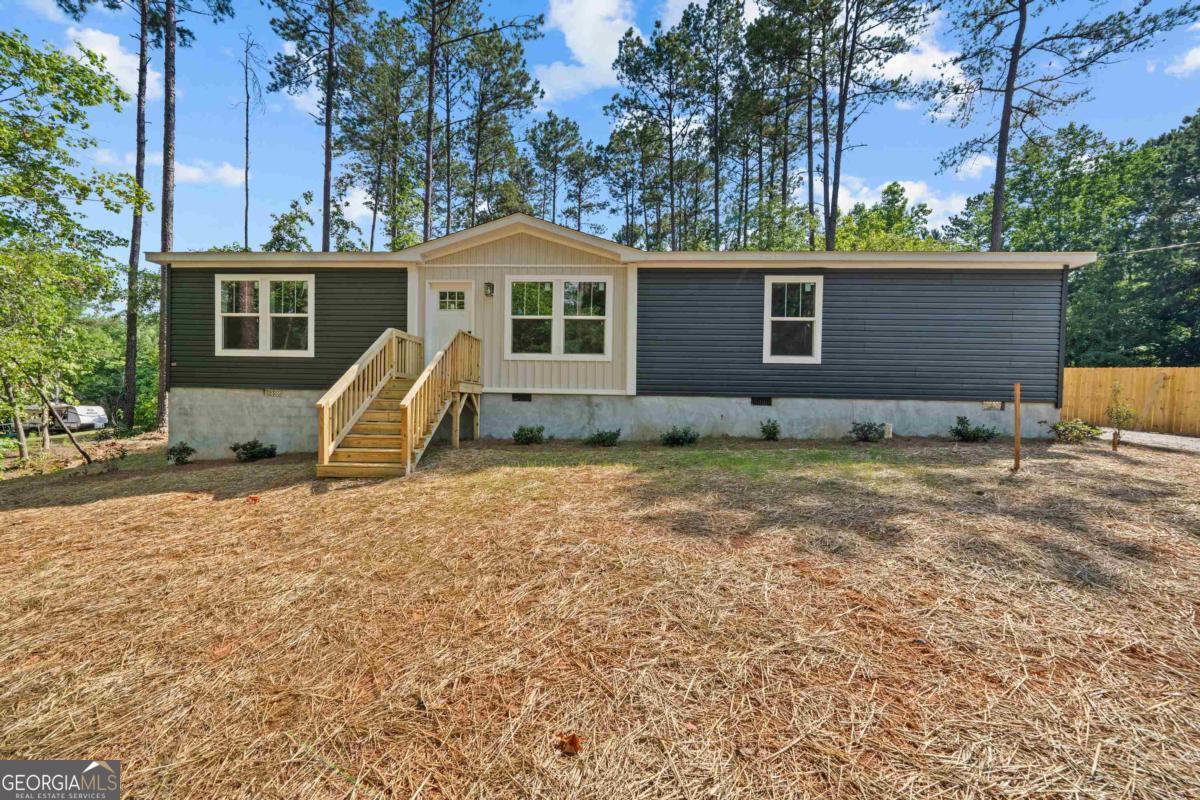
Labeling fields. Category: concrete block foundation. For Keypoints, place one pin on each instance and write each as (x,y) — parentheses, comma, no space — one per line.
(645,417)
(212,419)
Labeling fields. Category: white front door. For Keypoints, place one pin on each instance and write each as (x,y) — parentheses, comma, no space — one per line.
(449,308)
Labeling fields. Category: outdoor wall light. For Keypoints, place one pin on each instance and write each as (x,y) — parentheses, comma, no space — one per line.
(489,289)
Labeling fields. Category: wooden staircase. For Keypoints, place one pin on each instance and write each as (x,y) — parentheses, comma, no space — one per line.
(379,418)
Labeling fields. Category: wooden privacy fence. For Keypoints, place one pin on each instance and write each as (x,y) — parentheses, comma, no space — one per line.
(1166,399)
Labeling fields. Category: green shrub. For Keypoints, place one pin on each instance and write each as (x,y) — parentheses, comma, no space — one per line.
(867,431)
(603,438)
(680,436)
(1074,431)
(964,431)
(529,434)
(180,453)
(252,450)
(770,430)
(1120,415)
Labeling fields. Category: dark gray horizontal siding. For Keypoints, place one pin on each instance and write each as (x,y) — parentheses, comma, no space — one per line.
(936,334)
(353,306)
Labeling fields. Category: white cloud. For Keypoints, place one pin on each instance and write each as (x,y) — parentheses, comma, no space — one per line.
(197,172)
(926,60)
(357,209)
(224,174)
(122,63)
(671,11)
(941,206)
(1188,64)
(104,156)
(308,101)
(592,29)
(46,8)
(974,166)
(1185,65)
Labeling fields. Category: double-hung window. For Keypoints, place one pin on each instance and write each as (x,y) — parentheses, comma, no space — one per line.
(264,315)
(792,319)
(559,318)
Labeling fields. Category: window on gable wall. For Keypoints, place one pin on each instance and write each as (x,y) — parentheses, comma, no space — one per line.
(792,319)
(280,326)
(567,318)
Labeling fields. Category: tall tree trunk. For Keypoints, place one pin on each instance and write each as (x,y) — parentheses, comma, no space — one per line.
(246,148)
(848,55)
(330,90)
(446,107)
(128,400)
(785,157)
(1010,81)
(671,178)
(716,158)
(828,221)
(812,206)
(431,57)
(167,210)
(44,429)
(18,423)
(375,199)
(475,151)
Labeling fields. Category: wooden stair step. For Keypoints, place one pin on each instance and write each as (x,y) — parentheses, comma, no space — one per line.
(364,455)
(384,404)
(362,428)
(359,470)
(389,439)
(381,416)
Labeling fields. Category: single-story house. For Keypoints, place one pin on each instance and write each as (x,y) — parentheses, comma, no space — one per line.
(577,333)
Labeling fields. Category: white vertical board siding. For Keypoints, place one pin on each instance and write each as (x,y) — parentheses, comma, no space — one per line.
(522,254)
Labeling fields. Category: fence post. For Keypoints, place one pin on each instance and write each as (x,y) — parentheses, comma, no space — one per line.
(1016,427)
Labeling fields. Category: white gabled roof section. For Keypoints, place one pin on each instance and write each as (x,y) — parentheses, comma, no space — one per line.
(515,224)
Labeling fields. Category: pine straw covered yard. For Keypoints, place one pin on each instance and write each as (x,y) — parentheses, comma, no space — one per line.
(734,620)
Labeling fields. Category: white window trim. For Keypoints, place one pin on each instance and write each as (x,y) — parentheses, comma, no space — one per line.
(264,315)
(768,282)
(558,318)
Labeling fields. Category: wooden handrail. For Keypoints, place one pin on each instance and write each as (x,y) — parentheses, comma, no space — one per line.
(458,362)
(394,354)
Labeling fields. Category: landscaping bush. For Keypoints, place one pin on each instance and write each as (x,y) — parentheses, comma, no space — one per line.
(252,450)
(867,431)
(180,453)
(1074,431)
(529,434)
(1120,415)
(770,430)
(964,431)
(680,436)
(603,438)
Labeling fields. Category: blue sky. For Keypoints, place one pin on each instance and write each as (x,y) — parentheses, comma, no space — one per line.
(1145,95)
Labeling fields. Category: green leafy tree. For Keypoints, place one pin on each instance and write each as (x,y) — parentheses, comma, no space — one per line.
(581,172)
(1022,54)
(892,224)
(551,141)
(288,228)
(52,266)
(318,32)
